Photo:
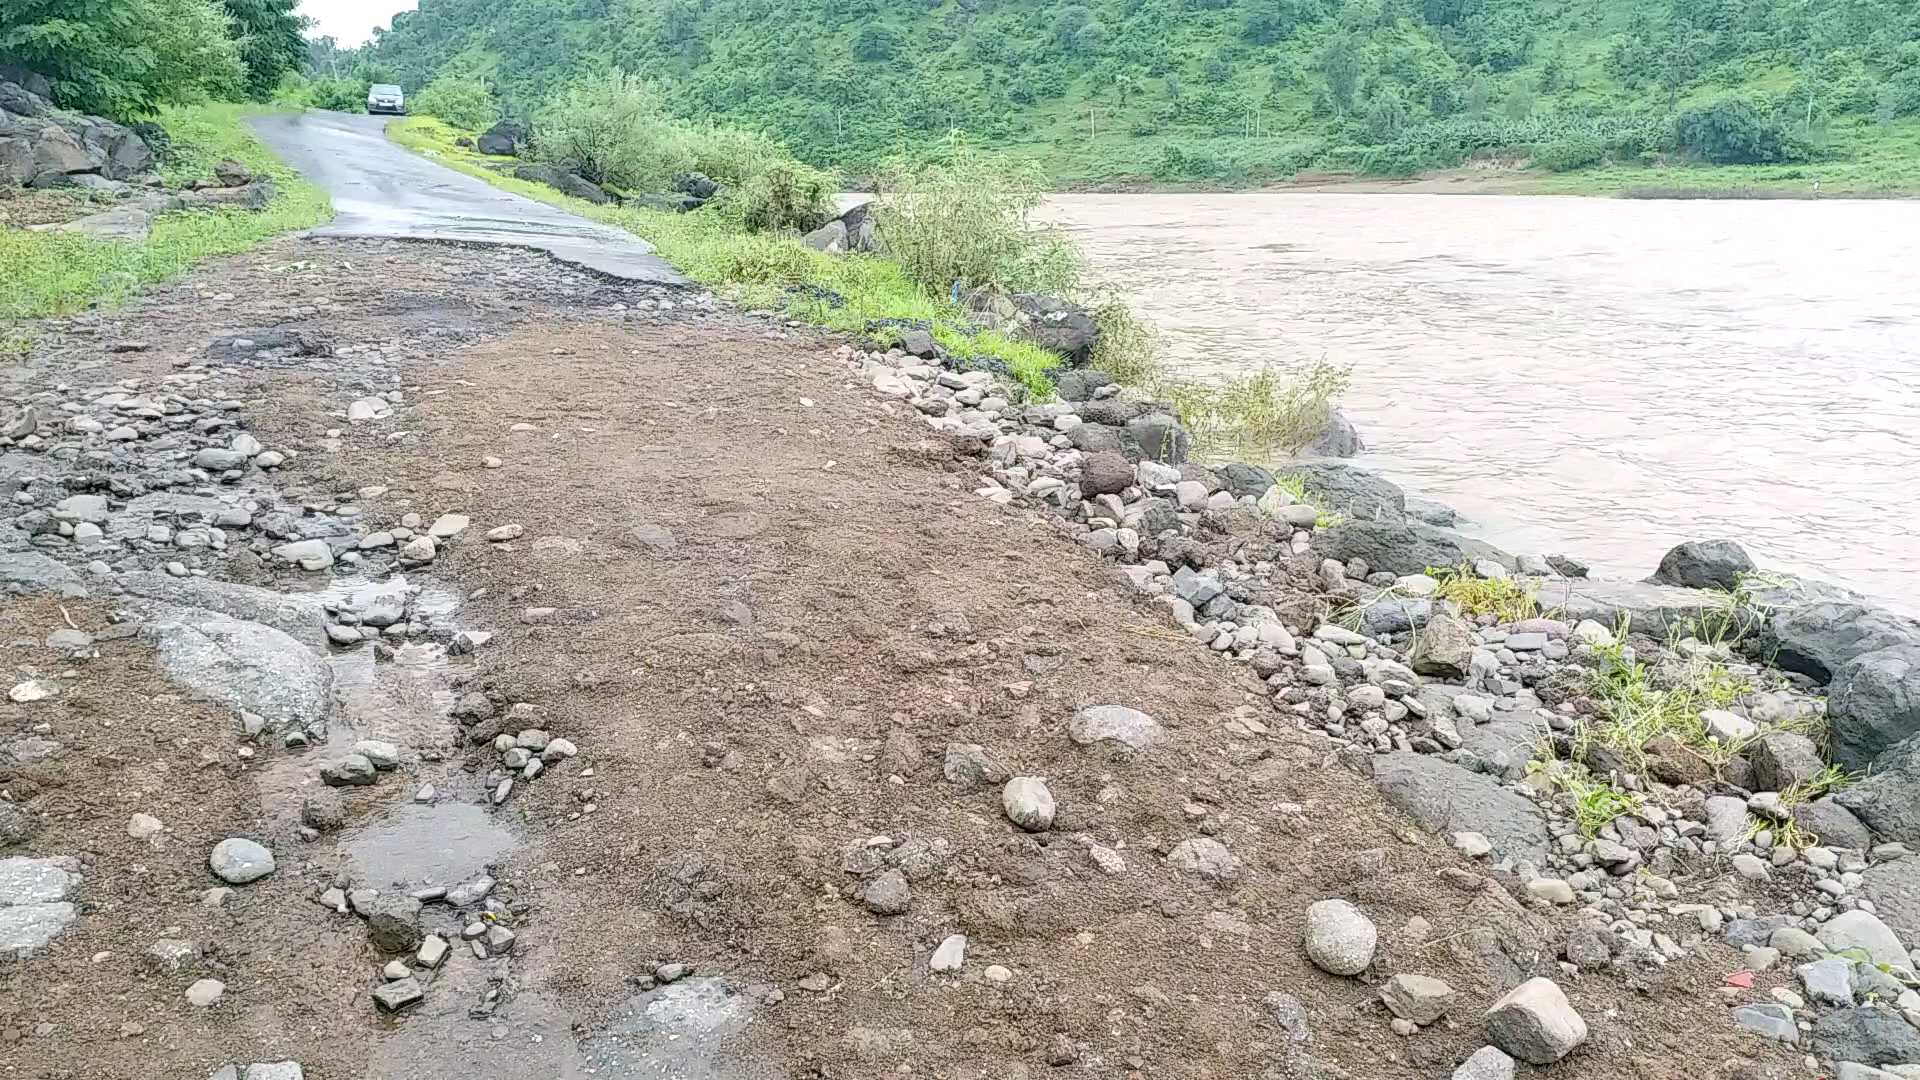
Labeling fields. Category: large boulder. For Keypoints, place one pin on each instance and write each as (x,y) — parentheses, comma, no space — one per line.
(503,139)
(1813,628)
(58,156)
(1887,801)
(16,161)
(1873,703)
(1444,798)
(1401,547)
(1704,564)
(1156,436)
(1243,480)
(128,156)
(830,238)
(569,183)
(22,101)
(303,619)
(1355,494)
(1057,326)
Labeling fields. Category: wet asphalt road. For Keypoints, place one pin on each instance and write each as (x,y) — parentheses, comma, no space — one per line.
(380,189)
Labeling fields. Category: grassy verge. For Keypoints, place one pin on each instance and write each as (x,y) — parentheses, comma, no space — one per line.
(866,295)
(47,273)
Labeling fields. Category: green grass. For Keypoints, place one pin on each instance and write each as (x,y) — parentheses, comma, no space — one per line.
(1295,485)
(1825,782)
(763,269)
(44,274)
(1507,599)
(1634,711)
(1593,803)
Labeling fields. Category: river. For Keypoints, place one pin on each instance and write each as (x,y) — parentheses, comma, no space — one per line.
(1598,377)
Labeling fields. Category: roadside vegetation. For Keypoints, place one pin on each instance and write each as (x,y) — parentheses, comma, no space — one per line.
(50,273)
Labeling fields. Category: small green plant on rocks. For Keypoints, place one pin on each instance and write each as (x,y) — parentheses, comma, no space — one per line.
(1594,803)
(1634,711)
(1825,782)
(1507,599)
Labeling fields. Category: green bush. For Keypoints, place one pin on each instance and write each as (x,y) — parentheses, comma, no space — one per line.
(964,218)
(1732,131)
(1569,152)
(461,100)
(124,58)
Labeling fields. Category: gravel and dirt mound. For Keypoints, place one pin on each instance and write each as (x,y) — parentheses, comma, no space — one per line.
(798,658)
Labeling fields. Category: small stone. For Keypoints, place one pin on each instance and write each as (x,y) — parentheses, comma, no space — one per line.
(1535,1023)
(995,973)
(1419,998)
(144,826)
(951,955)
(381,755)
(354,770)
(433,952)
(1487,1063)
(205,993)
(1114,725)
(503,533)
(1552,890)
(1828,981)
(237,861)
(1028,803)
(1340,939)
(395,971)
(888,894)
(1204,857)
(671,973)
(399,994)
(1472,844)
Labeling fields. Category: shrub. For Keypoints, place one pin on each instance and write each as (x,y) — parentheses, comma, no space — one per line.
(1128,347)
(786,196)
(1731,131)
(461,100)
(965,219)
(1569,152)
(1260,416)
(124,58)
(612,129)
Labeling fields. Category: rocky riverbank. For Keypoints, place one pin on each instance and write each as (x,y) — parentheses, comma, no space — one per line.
(410,680)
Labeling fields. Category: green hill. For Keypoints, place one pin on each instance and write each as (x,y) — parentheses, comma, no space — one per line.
(1232,90)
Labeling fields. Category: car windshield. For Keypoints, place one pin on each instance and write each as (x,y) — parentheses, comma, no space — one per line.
(386,90)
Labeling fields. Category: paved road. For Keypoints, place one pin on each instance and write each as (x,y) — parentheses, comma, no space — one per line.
(380,189)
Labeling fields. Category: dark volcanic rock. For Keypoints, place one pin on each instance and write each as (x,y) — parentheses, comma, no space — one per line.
(1105,473)
(1402,548)
(569,183)
(1870,1034)
(503,139)
(1874,702)
(1704,564)
(1443,798)
(1244,479)
(1355,494)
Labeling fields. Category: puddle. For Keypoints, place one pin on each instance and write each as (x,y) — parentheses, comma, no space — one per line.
(698,1029)
(442,844)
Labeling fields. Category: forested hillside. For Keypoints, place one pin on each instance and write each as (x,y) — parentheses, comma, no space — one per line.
(1226,88)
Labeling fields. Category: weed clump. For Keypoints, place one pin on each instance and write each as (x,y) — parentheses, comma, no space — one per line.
(1507,599)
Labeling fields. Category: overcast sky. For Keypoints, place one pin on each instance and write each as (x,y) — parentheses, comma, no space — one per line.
(351,22)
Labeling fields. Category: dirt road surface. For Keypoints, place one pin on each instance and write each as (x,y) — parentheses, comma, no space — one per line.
(794,656)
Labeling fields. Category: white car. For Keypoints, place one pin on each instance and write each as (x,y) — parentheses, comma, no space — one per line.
(386,98)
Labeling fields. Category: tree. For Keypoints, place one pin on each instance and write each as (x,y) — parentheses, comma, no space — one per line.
(269,35)
(461,100)
(875,43)
(1339,64)
(122,58)
(1731,131)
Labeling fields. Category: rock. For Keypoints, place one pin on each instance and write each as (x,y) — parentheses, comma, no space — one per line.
(568,183)
(1419,998)
(1552,890)
(35,902)
(1401,547)
(353,770)
(1340,439)
(970,768)
(1158,436)
(1057,326)
(1355,494)
(1340,939)
(1815,629)
(1244,481)
(323,809)
(31,571)
(1704,564)
(447,526)
(888,894)
(144,826)
(1535,1023)
(17,826)
(1869,1034)
(1770,1021)
(951,955)
(1863,930)
(418,551)
(503,139)
(1444,648)
(830,238)
(1795,942)
(1653,610)
(237,860)
(1487,1063)
(1887,800)
(246,666)
(400,994)
(302,619)
(1105,473)
(393,922)
(1028,803)
(1872,704)
(1828,981)
(433,952)
(1726,726)
(1204,857)
(381,755)
(206,993)
(1781,759)
(1726,818)
(368,408)
(1114,725)
(1444,798)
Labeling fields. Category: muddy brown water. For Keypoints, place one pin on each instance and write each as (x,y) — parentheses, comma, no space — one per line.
(1598,377)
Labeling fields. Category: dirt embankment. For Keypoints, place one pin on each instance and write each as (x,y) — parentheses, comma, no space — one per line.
(797,655)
